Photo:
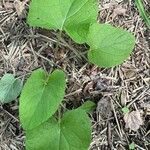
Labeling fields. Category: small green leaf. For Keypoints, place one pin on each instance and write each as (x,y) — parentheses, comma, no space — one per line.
(41,97)
(125,110)
(10,88)
(73,132)
(143,13)
(73,16)
(132,146)
(88,106)
(109,46)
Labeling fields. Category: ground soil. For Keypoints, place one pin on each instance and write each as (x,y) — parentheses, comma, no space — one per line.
(24,49)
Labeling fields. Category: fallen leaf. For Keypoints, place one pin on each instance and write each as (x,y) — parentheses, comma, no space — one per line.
(133,120)
(119,11)
(130,73)
(103,109)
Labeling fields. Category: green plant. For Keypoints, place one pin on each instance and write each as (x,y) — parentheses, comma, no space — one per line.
(73,16)
(132,146)
(10,88)
(109,46)
(70,133)
(40,97)
(43,93)
(45,129)
(125,110)
(142,12)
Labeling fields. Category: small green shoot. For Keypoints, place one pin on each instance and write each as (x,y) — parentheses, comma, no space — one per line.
(132,146)
(125,110)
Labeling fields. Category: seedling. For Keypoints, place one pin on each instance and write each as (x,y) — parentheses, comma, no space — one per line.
(125,110)
(132,146)
(43,93)
(44,130)
(109,46)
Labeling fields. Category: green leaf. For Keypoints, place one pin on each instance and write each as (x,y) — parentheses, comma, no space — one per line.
(143,13)
(73,132)
(132,146)
(88,106)
(73,16)
(109,46)
(125,110)
(41,97)
(10,88)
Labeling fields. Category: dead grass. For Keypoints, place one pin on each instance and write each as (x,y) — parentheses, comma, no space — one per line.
(23,49)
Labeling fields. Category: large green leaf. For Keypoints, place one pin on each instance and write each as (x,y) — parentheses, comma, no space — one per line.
(73,16)
(73,132)
(41,97)
(109,46)
(10,88)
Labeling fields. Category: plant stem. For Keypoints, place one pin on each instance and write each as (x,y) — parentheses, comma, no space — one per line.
(58,40)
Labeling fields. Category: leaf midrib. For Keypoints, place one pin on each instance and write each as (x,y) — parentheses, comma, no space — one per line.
(42,93)
(61,133)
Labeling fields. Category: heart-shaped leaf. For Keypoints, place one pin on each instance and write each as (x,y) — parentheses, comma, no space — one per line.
(73,16)
(109,46)
(41,97)
(73,132)
(10,88)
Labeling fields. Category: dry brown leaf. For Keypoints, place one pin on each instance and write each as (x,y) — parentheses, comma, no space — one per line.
(133,120)
(103,109)
(119,11)
(130,73)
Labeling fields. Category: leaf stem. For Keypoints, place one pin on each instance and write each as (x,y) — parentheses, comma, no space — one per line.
(58,40)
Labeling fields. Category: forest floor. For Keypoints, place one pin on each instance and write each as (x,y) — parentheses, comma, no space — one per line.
(24,49)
